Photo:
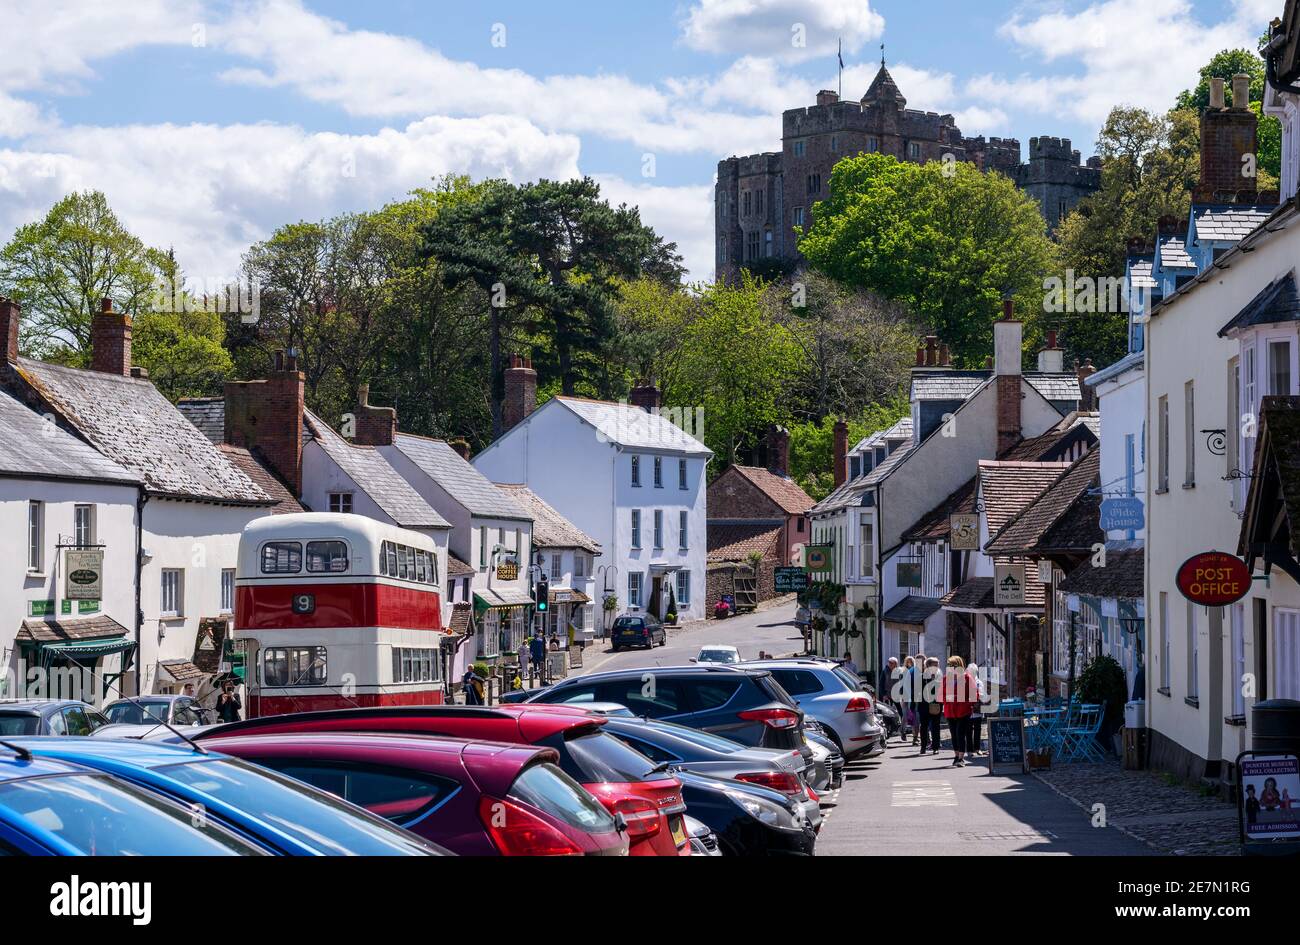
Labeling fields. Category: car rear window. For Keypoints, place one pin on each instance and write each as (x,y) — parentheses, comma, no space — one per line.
(653,696)
(774,690)
(550,790)
(714,693)
(400,796)
(853,683)
(598,756)
(797,682)
(143,713)
(703,739)
(16,724)
(629,623)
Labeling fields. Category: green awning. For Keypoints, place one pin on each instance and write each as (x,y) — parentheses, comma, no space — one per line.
(492,599)
(78,648)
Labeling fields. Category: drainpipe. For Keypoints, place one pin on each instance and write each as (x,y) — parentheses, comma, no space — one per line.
(140,501)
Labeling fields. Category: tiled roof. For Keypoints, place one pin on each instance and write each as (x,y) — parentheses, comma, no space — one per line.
(1008,486)
(630,426)
(374,475)
(977,593)
(131,423)
(1227,222)
(1064,517)
(30,445)
(913,610)
(782,490)
(735,542)
(465,484)
(456,567)
(1122,577)
(1134,359)
(461,611)
(255,469)
(1171,249)
(1139,271)
(850,493)
(181,670)
(1277,302)
(550,528)
(72,628)
(208,414)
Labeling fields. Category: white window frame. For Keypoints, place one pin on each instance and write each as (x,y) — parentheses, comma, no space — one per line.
(683,530)
(636,529)
(35,536)
(171,596)
(683,596)
(227,590)
(1162,444)
(635,589)
(636,471)
(83,524)
(1269,345)
(658,529)
(681,474)
(1193,654)
(579,565)
(1237,678)
(1286,654)
(659,472)
(1189,435)
(1166,649)
(557,566)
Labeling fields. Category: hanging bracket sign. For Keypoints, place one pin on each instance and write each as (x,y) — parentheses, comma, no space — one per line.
(1213,579)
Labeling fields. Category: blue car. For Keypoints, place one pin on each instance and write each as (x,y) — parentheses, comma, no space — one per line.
(286,817)
(52,808)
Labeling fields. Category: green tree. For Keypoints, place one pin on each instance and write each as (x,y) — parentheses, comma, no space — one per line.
(182,350)
(61,266)
(945,240)
(812,442)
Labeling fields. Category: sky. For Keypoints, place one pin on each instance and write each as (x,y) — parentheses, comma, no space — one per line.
(209,123)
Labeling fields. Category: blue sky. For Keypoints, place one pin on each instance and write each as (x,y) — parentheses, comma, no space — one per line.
(210,122)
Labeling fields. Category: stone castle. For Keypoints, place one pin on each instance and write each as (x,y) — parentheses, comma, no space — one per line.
(760,198)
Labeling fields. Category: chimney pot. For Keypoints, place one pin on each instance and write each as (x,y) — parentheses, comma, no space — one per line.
(106,304)
(920,356)
(1216,92)
(363,395)
(140,372)
(460,447)
(10,315)
(1241,91)
(279,361)
(778,451)
(945,358)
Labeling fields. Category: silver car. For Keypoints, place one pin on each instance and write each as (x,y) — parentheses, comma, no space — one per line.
(832,696)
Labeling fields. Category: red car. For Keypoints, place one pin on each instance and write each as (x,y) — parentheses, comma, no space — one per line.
(629,784)
(474,798)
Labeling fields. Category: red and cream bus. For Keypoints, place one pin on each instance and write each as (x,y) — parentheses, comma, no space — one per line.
(337,611)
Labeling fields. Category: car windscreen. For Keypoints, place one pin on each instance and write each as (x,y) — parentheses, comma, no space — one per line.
(774,689)
(704,739)
(629,623)
(19,723)
(393,793)
(102,816)
(718,656)
(310,816)
(550,790)
(597,756)
(853,683)
(128,713)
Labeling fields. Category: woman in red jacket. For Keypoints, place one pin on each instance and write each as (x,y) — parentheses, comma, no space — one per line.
(959,699)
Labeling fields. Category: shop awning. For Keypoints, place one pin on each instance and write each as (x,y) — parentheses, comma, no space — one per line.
(487,599)
(564,595)
(911,611)
(79,649)
(976,596)
(181,671)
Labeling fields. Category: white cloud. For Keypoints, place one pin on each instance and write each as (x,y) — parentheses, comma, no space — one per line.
(683,215)
(785,29)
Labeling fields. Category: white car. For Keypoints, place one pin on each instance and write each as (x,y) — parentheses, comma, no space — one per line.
(717,653)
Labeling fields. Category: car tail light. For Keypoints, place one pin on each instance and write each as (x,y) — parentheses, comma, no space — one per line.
(812,795)
(772,718)
(782,781)
(858,704)
(518,832)
(641,816)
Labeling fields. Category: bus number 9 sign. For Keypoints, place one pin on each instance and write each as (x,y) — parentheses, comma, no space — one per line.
(1213,579)
(304,603)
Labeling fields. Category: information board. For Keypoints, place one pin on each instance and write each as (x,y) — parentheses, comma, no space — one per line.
(1006,745)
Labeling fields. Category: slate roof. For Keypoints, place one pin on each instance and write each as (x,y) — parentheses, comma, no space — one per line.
(632,427)
(901,429)
(208,414)
(1134,359)
(1007,487)
(70,628)
(1121,578)
(465,484)
(30,445)
(456,567)
(962,385)
(1139,271)
(1227,222)
(883,85)
(374,475)
(1276,302)
(1063,518)
(736,542)
(1053,385)
(782,490)
(258,471)
(550,528)
(977,594)
(850,493)
(1172,252)
(913,610)
(131,423)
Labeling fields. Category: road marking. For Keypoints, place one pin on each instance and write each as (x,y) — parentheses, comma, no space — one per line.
(1031,835)
(923,794)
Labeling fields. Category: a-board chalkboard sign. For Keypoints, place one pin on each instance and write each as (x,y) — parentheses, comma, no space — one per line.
(1006,746)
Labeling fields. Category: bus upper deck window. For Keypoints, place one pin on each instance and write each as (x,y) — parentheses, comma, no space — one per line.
(281,557)
(327,556)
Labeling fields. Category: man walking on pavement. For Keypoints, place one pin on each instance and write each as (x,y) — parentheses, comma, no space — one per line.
(929,708)
(537,657)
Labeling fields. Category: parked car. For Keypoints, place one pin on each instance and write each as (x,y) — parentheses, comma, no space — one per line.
(717,653)
(637,630)
(704,842)
(828,761)
(743,704)
(284,816)
(50,807)
(831,695)
(627,783)
(748,819)
(148,710)
(474,798)
(48,717)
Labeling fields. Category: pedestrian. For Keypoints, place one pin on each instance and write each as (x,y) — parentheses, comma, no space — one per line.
(957,707)
(537,657)
(228,703)
(472,683)
(975,747)
(891,690)
(849,665)
(801,617)
(929,707)
(911,718)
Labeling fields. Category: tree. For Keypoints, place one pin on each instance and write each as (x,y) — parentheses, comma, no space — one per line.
(182,350)
(812,442)
(61,266)
(944,239)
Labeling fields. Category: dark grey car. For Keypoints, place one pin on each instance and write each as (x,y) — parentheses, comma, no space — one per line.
(48,717)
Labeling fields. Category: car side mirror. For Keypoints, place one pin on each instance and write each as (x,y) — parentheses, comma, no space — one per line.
(694,660)
(620,823)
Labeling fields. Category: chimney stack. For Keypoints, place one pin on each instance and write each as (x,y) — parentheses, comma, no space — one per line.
(840,460)
(645,395)
(110,341)
(1087,394)
(267,416)
(1228,135)
(1051,360)
(521,391)
(778,451)
(1007,335)
(375,426)
(931,350)
(10,314)
(460,447)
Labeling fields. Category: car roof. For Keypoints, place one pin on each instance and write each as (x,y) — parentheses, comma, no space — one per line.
(38,706)
(132,751)
(719,646)
(690,669)
(15,768)
(162,697)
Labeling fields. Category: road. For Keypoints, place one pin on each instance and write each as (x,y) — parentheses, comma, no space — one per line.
(771,630)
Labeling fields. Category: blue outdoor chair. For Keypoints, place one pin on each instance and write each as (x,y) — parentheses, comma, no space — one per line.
(1079,736)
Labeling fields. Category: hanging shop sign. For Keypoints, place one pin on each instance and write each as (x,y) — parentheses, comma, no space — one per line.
(790,580)
(819,558)
(1008,585)
(964,532)
(1213,579)
(85,574)
(1122,514)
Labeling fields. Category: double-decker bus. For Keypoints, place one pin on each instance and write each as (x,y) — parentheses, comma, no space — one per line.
(336,611)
